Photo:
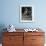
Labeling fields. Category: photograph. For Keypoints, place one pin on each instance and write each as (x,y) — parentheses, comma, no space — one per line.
(26,13)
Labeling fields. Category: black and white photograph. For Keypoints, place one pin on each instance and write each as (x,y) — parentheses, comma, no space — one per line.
(26,13)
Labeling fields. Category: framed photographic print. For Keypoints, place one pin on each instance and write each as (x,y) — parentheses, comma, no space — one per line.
(26,13)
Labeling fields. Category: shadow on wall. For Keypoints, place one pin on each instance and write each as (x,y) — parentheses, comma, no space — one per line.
(2,26)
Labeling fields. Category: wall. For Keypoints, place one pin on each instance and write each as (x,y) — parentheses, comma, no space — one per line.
(10,13)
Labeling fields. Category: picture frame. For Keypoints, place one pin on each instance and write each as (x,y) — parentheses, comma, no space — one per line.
(26,13)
